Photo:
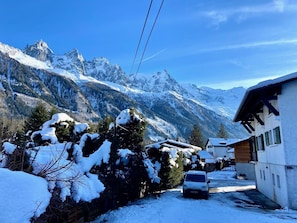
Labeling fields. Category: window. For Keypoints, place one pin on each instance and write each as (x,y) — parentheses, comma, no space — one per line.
(260,142)
(195,178)
(268,138)
(276,135)
(267,143)
(273,180)
(263,174)
(253,148)
(272,137)
(278,181)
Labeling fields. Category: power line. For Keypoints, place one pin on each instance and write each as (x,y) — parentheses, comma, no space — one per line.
(149,36)
(143,28)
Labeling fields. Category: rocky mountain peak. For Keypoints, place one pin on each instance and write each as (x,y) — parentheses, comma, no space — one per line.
(71,61)
(100,60)
(40,51)
(156,82)
(74,55)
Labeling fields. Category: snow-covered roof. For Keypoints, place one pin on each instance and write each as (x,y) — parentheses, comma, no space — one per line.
(204,154)
(221,142)
(239,141)
(253,94)
(174,144)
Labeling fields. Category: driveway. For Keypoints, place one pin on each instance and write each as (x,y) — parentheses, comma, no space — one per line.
(226,183)
(230,200)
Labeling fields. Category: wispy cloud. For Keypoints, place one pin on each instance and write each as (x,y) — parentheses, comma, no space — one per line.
(246,83)
(242,13)
(251,45)
(217,17)
(279,5)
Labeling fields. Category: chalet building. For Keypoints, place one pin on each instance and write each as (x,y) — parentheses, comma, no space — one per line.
(219,147)
(245,158)
(268,112)
(206,157)
(174,144)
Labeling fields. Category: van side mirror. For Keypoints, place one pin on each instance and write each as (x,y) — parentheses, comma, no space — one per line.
(208,181)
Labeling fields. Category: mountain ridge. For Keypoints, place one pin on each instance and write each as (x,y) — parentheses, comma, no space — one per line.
(96,88)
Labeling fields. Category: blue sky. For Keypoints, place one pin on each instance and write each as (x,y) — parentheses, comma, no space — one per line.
(216,43)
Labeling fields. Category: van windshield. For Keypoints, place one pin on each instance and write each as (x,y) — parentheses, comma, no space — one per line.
(195,178)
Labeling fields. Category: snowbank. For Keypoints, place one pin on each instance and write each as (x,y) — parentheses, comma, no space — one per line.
(23,196)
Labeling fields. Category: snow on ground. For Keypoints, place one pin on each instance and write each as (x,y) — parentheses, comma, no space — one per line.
(225,204)
(22,196)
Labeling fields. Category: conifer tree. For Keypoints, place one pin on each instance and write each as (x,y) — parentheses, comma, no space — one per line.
(196,137)
(53,111)
(103,125)
(171,176)
(126,180)
(131,134)
(222,133)
(38,116)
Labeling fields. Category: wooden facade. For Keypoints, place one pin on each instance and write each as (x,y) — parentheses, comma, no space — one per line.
(242,152)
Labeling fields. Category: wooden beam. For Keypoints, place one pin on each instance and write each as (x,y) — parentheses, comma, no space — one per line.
(271,97)
(247,126)
(250,126)
(270,107)
(244,125)
(257,117)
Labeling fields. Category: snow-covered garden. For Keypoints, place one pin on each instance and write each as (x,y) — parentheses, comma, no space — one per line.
(63,172)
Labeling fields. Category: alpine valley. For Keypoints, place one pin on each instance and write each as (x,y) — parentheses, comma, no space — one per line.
(89,90)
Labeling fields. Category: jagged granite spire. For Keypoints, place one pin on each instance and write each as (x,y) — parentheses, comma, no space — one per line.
(40,51)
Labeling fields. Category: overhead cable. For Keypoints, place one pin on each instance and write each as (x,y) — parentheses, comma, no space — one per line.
(149,37)
(143,28)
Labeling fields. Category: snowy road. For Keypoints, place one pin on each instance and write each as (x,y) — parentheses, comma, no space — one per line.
(225,204)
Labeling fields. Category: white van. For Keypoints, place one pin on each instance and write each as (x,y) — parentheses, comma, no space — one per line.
(196,183)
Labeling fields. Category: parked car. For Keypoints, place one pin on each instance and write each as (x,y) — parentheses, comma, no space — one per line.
(196,183)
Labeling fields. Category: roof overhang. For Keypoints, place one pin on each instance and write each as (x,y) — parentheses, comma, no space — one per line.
(259,95)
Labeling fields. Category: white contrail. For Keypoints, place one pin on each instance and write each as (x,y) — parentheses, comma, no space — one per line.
(153,56)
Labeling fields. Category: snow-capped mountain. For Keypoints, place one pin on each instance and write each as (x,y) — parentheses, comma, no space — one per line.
(224,102)
(40,51)
(93,89)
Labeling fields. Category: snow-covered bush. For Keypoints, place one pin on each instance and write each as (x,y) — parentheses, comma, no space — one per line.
(108,169)
(62,163)
(131,173)
(13,157)
(169,163)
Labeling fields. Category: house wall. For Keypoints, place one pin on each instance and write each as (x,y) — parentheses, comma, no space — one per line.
(287,107)
(209,148)
(220,152)
(291,173)
(272,153)
(218,147)
(271,181)
(247,169)
(278,162)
